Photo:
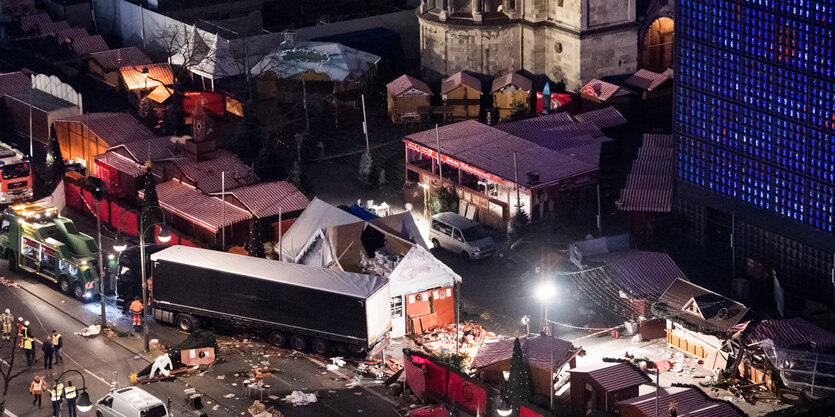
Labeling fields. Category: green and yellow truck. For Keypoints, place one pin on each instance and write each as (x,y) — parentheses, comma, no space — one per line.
(36,239)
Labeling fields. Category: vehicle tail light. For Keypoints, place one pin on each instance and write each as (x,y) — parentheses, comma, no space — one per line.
(89,285)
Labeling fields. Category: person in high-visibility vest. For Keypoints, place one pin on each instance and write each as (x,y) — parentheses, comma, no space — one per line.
(71,395)
(29,350)
(57,344)
(36,388)
(21,330)
(7,319)
(136,308)
(56,394)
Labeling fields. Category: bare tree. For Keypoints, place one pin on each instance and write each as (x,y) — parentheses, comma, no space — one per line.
(6,372)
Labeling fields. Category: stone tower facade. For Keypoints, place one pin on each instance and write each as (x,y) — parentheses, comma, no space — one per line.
(570,41)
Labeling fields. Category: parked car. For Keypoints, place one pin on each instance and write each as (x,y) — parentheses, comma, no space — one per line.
(459,234)
(130,402)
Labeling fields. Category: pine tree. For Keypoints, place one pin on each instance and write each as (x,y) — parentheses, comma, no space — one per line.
(149,208)
(517,384)
(442,200)
(518,224)
(256,239)
(518,110)
(366,163)
(55,168)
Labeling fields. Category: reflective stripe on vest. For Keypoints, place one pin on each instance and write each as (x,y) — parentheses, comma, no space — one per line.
(27,343)
(69,393)
(56,392)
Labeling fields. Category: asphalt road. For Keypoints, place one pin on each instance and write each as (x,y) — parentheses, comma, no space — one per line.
(102,360)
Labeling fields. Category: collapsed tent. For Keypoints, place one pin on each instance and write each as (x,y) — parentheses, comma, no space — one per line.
(316,216)
(810,372)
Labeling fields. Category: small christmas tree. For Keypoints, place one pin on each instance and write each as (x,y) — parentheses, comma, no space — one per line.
(256,239)
(518,110)
(518,224)
(517,384)
(366,163)
(442,199)
(55,168)
(150,211)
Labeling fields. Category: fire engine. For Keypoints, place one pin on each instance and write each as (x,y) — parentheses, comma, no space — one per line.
(15,175)
(36,239)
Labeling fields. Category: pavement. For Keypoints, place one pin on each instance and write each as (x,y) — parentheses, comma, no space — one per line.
(104,361)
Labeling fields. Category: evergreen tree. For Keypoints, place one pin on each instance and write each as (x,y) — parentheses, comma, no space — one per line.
(442,200)
(518,224)
(366,163)
(517,384)
(55,168)
(150,213)
(256,239)
(518,110)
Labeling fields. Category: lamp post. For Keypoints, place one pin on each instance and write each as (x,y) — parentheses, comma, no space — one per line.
(545,291)
(84,405)
(504,407)
(120,245)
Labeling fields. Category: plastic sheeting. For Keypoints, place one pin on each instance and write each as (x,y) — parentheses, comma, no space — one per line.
(316,216)
(810,372)
(420,271)
(346,283)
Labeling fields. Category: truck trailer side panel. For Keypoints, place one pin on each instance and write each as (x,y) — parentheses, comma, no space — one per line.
(243,296)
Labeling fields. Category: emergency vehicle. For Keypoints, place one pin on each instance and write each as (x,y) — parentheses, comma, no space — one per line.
(15,175)
(36,239)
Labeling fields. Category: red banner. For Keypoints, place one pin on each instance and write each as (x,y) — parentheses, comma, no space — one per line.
(455,163)
(527,412)
(423,375)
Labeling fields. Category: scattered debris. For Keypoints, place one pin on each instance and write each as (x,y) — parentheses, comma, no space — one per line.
(92,330)
(300,398)
(228,395)
(338,361)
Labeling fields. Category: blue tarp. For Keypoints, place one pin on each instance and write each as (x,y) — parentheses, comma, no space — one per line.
(361,212)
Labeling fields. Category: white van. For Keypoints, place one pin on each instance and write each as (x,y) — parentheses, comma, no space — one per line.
(130,402)
(460,235)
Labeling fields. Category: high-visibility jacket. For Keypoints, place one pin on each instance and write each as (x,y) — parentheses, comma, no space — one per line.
(136,306)
(37,387)
(69,393)
(24,331)
(56,340)
(7,320)
(56,392)
(27,343)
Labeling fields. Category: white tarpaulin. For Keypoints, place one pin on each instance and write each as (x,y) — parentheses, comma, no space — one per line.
(318,215)
(340,282)
(420,271)
(58,197)
(811,372)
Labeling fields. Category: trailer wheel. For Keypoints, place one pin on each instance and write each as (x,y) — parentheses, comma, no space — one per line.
(10,256)
(298,342)
(64,285)
(341,348)
(278,339)
(78,291)
(320,346)
(187,323)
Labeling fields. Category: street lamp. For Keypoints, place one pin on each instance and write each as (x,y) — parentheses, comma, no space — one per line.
(120,245)
(504,409)
(545,292)
(84,405)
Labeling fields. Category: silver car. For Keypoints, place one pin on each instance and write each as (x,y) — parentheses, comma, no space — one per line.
(459,234)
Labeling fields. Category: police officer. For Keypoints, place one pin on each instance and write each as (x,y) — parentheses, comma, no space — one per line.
(56,394)
(71,395)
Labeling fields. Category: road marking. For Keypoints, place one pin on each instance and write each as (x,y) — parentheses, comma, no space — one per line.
(10,414)
(370,391)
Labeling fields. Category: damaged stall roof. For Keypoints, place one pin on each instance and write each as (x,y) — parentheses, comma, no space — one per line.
(339,282)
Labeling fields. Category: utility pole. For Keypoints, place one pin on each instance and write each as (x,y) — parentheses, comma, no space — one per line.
(365,125)
(280,252)
(101,269)
(440,170)
(304,101)
(31,147)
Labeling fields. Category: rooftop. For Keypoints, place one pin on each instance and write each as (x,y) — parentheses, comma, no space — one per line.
(690,402)
(113,128)
(189,203)
(602,90)
(518,81)
(794,332)
(337,61)
(157,74)
(536,350)
(207,175)
(405,83)
(460,78)
(269,198)
(11,82)
(646,80)
(113,59)
(700,306)
(41,100)
(613,376)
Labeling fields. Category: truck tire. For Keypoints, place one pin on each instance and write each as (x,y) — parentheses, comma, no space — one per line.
(78,291)
(356,350)
(99,414)
(298,342)
(320,346)
(278,339)
(64,285)
(10,256)
(187,322)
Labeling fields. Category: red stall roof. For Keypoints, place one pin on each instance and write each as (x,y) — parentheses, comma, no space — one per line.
(535,348)
(189,203)
(404,83)
(215,102)
(114,59)
(265,199)
(86,44)
(613,376)
(42,24)
(646,80)
(120,163)
(11,82)
(649,187)
(602,90)
(460,78)
(793,332)
(113,128)
(134,76)
(515,79)
(491,150)
(207,174)
(155,148)
(690,402)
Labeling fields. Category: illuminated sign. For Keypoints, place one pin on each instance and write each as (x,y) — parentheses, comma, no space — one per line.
(455,163)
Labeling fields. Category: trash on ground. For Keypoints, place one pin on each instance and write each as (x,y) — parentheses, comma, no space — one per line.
(92,330)
(300,398)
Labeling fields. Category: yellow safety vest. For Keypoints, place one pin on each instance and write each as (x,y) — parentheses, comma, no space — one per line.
(27,343)
(55,339)
(56,392)
(69,393)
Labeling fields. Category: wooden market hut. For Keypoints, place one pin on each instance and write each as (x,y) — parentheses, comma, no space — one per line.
(408,99)
(599,386)
(462,92)
(104,66)
(509,88)
(82,137)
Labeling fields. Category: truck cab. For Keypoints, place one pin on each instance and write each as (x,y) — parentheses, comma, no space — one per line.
(36,239)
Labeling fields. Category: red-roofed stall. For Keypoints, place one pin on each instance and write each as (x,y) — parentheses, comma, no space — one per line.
(599,386)
(462,92)
(408,99)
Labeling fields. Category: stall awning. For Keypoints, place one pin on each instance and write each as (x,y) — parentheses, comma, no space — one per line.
(649,187)
(189,203)
(268,198)
(420,271)
(121,164)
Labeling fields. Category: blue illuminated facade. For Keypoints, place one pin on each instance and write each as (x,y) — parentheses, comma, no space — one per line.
(755,113)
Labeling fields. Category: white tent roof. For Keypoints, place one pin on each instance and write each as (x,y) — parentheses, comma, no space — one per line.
(340,282)
(336,60)
(420,271)
(318,215)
